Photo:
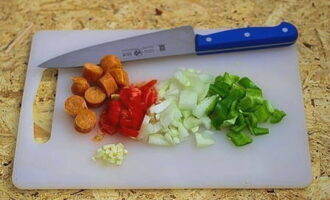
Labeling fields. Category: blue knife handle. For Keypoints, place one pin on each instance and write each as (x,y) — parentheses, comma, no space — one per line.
(284,34)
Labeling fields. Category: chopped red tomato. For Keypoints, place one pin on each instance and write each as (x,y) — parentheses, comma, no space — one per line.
(128,132)
(105,126)
(148,85)
(113,112)
(150,97)
(126,114)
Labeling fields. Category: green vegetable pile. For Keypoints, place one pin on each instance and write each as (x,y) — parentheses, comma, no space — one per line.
(241,106)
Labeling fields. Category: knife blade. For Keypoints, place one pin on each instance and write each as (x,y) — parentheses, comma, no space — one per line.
(180,41)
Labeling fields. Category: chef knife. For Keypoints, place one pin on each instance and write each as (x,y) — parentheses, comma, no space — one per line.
(180,41)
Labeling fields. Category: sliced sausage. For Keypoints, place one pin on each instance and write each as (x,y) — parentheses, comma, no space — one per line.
(85,121)
(108,83)
(74,104)
(92,72)
(79,85)
(95,96)
(109,62)
(121,76)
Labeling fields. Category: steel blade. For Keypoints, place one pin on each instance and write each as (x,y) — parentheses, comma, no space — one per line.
(178,41)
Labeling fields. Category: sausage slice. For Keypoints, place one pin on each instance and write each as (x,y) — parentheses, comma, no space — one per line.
(79,85)
(74,104)
(95,96)
(85,121)
(92,72)
(108,83)
(109,62)
(121,76)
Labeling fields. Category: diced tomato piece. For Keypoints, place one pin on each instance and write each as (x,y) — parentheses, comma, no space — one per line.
(111,130)
(128,123)
(105,125)
(135,92)
(150,97)
(125,114)
(136,110)
(148,85)
(113,112)
(124,96)
(113,118)
(137,102)
(130,95)
(113,104)
(153,97)
(132,117)
(128,132)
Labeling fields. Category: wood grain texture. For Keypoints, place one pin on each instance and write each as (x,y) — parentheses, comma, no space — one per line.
(19,19)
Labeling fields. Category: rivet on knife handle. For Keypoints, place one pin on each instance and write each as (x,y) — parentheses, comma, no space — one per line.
(284,34)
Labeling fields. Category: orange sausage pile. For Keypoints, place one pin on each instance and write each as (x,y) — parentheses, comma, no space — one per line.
(90,90)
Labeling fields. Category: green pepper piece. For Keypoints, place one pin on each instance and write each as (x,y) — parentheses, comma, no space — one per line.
(224,89)
(235,94)
(216,121)
(240,120)
(240,124)
(228,122)
(254,92)
(255,107)
(256,95)
(238,128)
(219,115)
(253,120)
(230,79)
(233,112)
(220,108)
(246,103)
(260,131)
(249,124)
(213,90)
(277,116)
(218,79)
(269,106)
(262,113)
(240,91)
(220,88)
(247,83)
(239,139)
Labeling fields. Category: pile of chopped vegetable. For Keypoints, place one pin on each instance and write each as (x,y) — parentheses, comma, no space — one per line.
(111,154)
(240,106)
(182,110)
(192,102)
(125,112)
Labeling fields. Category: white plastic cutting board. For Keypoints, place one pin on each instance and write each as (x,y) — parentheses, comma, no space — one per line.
(278,160)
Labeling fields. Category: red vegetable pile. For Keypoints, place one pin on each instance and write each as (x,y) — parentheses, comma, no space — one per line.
(125,114)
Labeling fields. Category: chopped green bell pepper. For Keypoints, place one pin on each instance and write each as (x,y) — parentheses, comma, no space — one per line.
(262,113)
(260,131)
(242,106)
(247,83)
(239,139)
(230,79)
(277,116)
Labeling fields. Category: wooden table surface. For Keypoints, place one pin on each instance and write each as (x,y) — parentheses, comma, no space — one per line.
(20,19)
